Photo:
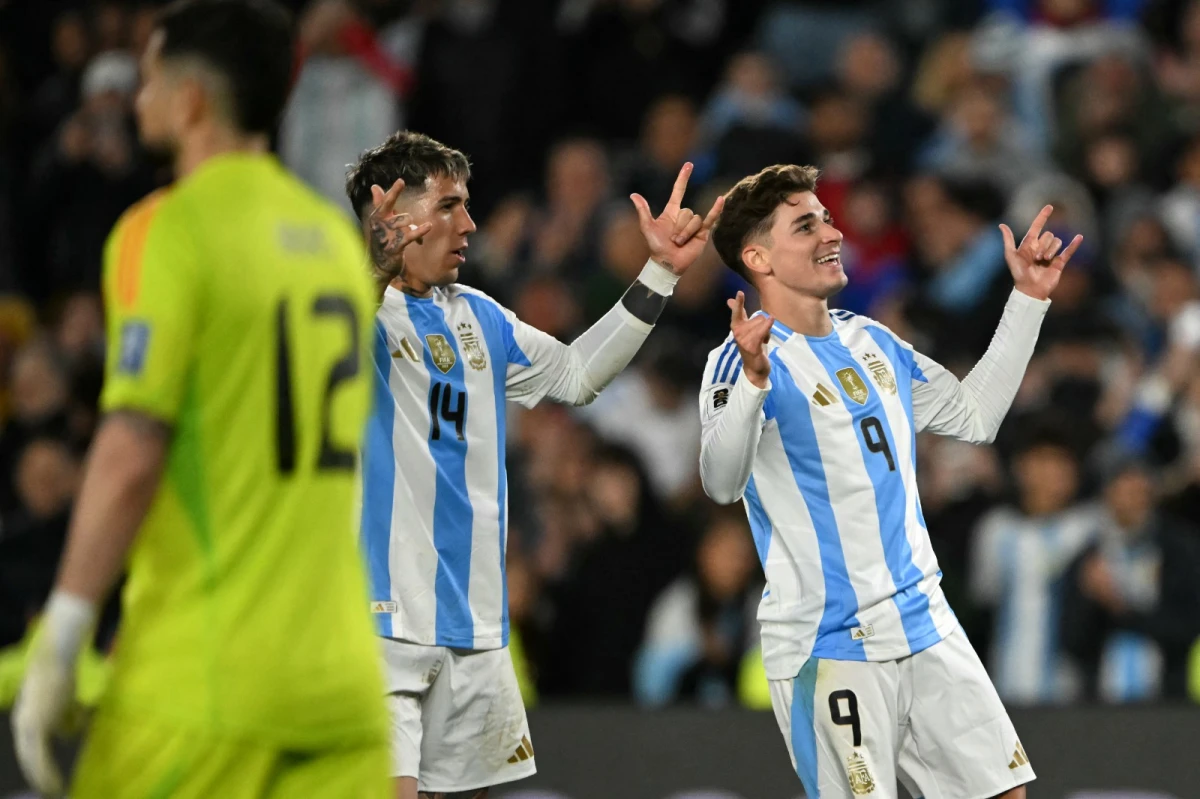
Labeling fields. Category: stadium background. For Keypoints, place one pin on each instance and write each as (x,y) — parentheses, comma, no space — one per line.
(932,121)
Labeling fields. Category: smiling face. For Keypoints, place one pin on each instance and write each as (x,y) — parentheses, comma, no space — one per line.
(801,251)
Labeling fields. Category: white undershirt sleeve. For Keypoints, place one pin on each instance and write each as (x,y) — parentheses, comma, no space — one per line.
(575,374)
(732,420)
(973,409)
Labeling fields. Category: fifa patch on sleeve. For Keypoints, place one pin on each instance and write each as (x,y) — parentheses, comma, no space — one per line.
(135,340)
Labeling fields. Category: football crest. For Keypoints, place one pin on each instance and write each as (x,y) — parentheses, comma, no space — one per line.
(471,348)
(879,370)
(441,352)
(861,781)
(853,383)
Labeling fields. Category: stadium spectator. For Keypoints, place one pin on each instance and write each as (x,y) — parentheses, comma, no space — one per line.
(700,626)
(567,229)
(669,138)
(344,65)
(47,478)
(1131,609)
(750,97)
(980,140)
(1021,553)
(599,612)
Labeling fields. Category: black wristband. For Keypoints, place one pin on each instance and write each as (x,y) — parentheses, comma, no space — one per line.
(643,302)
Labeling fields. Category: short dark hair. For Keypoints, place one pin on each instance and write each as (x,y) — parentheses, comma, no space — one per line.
(248,42)
(408,155)
(750,208)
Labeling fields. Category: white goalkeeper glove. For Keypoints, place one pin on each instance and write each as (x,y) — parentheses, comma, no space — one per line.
(48,693)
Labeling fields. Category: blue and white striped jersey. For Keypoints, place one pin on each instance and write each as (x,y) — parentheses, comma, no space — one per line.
(1019,566)
(434,516)
(825,462)
(435,491)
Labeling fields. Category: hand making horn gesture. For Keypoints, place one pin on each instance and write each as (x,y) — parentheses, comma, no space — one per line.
(1037,264)
(678,236)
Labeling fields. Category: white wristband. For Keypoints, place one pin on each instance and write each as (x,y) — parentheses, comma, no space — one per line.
(67,622)
(658,278)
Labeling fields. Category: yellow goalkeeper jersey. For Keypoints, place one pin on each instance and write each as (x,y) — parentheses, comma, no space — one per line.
(239,312)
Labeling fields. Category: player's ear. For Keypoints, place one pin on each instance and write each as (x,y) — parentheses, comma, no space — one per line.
(191,102)
(756,258)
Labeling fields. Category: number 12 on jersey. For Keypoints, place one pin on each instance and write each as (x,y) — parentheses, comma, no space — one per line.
(330,457)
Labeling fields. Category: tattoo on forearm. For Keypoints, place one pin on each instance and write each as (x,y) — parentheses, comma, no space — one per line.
(644,303)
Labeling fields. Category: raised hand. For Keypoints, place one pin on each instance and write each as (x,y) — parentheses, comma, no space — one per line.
(751,336)
(679,235)
(390,233)
(1037,264)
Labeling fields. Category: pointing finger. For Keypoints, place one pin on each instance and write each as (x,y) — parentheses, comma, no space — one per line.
(417,232)
(1062,259)
(1039,222)
(680,186)
(714,213)
(738,306)
(388,201)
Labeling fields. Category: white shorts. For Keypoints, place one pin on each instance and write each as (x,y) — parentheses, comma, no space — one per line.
(932,720)
(458,722)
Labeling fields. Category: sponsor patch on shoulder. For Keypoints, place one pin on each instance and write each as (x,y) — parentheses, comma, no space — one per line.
(135,340)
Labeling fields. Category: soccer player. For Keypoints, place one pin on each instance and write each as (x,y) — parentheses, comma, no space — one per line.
(810,417)
(236,394)
(434,523)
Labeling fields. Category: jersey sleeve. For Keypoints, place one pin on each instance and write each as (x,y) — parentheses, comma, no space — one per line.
(151,297)
(541,366)
(534,357)
(973,409)
(733,412)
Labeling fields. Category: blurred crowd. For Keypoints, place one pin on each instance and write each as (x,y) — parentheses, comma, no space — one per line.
(1070,548)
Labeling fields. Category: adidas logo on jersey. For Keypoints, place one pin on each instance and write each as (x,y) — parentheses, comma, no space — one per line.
(406,351)
(823,396)
(524,751)
(1019,757)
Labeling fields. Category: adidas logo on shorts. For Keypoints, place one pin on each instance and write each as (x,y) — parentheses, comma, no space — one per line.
(1019,757)
(524,751)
